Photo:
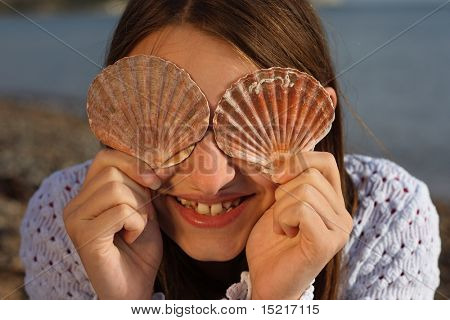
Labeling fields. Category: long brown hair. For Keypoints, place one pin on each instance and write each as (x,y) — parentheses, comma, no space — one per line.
(283,33)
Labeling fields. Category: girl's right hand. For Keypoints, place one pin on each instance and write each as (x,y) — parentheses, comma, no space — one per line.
(114,226)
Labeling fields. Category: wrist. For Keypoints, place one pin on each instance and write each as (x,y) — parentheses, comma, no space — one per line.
(306,294)
(108,293)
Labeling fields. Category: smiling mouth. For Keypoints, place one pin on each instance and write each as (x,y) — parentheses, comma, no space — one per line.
(212,209)
(209,213)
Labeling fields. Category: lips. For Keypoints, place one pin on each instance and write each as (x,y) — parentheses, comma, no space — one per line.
(208,221)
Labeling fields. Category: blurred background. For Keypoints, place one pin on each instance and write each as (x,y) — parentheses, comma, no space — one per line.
(392,59)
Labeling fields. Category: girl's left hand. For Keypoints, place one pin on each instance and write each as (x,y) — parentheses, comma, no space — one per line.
(302,231)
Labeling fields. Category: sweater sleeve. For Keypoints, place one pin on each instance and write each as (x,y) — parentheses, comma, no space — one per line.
(242,290)
(53,269)
(394,247)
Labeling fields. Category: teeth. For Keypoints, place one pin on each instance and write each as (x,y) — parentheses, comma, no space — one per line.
(213,209)
(203,208)
(216,208)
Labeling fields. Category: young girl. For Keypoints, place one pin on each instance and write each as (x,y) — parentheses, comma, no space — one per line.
(333,226)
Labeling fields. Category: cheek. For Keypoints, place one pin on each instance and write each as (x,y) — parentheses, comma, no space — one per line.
(164,216)
(253,173)
(266,188)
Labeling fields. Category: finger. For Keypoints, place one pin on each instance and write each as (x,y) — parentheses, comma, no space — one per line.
(108,196)
(323,161)
(134,168)
(116,218)
(105,176)
(276,225)
(301,218)
(314,177)
(308,194)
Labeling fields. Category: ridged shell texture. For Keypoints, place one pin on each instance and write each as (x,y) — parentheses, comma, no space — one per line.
(149,108)
(272,114)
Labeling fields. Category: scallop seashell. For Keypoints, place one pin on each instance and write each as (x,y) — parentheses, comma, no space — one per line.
(272,114)
(148,108)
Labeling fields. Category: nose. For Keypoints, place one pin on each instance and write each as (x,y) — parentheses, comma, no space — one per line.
(211,170)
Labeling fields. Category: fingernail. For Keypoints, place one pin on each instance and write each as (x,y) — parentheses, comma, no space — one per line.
(152,181)
(155,185)
(275,178)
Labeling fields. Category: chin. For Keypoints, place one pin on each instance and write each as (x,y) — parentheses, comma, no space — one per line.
(215,252)
(211,249)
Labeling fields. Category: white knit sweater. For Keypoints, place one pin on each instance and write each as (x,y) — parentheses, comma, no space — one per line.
(392,252)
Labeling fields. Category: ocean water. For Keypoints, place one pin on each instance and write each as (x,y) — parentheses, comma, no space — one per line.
(400,89)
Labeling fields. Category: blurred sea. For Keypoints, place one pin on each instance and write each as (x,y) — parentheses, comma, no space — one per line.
(402,91)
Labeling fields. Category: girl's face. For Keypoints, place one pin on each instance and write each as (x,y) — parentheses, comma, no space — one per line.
(208,176)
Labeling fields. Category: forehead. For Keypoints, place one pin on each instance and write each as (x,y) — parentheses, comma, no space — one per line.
(212,63)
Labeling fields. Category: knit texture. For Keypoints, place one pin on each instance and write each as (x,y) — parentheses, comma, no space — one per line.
(392,252)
